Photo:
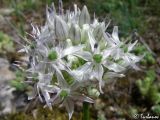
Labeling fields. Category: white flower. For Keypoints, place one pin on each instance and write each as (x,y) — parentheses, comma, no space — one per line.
(43,88)
(68,94)
(119,50)
(54,58)
(70,39)
(96,60)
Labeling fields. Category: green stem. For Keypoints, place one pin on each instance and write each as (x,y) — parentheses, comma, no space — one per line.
(86,112)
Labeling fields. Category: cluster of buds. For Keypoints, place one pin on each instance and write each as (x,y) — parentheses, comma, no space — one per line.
(72,57)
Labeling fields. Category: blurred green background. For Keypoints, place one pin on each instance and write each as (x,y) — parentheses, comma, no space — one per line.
(128,14)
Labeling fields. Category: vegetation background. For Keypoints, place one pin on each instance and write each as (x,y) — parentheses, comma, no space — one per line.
(138,92)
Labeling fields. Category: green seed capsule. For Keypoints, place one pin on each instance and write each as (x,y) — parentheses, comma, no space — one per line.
(63,94)
(52,55)
(97,58)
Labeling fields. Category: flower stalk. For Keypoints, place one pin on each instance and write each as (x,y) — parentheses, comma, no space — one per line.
(86,111)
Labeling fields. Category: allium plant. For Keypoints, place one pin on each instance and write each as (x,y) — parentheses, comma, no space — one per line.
(71,54)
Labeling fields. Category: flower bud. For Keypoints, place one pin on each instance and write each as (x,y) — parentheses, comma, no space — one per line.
(75,34)
(84,17)
(50,14)
(84,33)
(93,92)
(61,29)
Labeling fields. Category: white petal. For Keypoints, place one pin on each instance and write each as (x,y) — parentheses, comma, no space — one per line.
(82,73)
(107,53)
(82,98)
(44,78)
(107,38)
(110,75)
(114,66)
(134,66)
(118,53)
(25,49)
(92,41)
(83,69)
(60,77)
(47,98)
(71,50)
(51,88)
(130,46)
(87,99)
(127,61)
(42,50)
(134,58)
(75,9)
(38,91)
(69,105)
(95,23)
(99,73)
(115,35)
(84,55)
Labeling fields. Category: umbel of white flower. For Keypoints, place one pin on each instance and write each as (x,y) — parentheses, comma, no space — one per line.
(72,57)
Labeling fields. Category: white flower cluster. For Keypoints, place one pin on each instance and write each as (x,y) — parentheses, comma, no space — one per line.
(71,53)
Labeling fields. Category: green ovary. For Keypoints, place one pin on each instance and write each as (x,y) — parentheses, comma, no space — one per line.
(63,94)
(97,58)
(52,55)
